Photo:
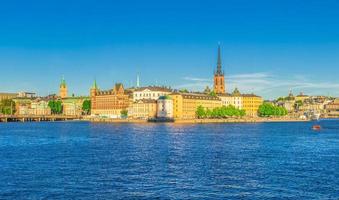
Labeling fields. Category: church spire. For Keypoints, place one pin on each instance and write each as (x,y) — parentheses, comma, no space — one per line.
(219,71)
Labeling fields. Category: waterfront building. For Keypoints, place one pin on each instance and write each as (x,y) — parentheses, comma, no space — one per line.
(22,105)
(6,95)
(185,104)
(251,103)
(332,109)
(234,99)
(73,105)
(151,92)
(165,107)
(109,103)
(219,78)
(39,107)
(26,95)
(27,106)
(144,109)
(63,89)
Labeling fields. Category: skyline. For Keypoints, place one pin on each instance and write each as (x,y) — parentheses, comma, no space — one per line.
(267,48)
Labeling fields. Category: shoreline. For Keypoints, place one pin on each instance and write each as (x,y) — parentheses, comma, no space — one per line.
(201,121)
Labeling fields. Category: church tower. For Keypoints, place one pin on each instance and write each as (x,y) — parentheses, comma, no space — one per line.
(219,78)
(94,89)
(63,88)
(93,92)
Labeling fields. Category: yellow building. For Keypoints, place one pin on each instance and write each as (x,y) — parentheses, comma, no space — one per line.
(8,95)
(251,103)
(144,109)
(185,104)
(301,97)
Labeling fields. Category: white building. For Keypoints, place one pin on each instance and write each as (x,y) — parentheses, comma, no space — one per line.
(234,99)
(151,92)
(165,107)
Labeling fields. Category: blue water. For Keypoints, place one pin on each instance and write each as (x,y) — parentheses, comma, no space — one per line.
(80,160)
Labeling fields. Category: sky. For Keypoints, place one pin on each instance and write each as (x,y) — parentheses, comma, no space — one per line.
(268,47)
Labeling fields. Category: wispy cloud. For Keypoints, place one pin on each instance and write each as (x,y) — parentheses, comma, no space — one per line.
(266,84)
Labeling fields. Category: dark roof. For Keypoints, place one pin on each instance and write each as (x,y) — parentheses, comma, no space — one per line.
(154,88)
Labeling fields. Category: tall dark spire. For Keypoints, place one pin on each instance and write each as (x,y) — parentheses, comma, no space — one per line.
(219,72)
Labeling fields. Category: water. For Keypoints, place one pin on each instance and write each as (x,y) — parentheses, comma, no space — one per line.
(80,160)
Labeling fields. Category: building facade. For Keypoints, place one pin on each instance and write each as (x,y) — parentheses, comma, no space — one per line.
(234,99)
(185,104)
(251,103)
(8,96)
(151,92)
(73,105)
(109,103)
(219,78)
(144,109)
(165,107)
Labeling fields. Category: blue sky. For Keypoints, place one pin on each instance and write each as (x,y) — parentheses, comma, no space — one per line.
(268,47)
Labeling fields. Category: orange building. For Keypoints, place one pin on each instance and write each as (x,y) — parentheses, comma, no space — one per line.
(109,103)
(219,78)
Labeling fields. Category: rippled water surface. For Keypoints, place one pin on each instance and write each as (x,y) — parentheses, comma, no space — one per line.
(80,160)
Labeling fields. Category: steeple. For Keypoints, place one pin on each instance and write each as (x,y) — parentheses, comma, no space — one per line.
(219,71)
(138,81)
(63,82)
(95,86)
(219,78)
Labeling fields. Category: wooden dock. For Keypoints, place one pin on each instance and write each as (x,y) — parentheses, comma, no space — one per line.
(36,118)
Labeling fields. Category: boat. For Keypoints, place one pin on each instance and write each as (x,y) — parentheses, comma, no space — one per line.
(316,127)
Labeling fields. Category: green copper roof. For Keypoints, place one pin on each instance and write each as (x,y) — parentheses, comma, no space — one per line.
(95,86)
(63,82)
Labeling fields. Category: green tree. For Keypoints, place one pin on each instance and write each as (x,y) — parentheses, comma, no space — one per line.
(124,113)
(7,106)
(268,109)
(213,94)
(55,106)
(184,91)
(86,107)
(200,113)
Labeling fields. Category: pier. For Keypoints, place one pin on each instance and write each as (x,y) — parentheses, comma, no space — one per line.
(36,118)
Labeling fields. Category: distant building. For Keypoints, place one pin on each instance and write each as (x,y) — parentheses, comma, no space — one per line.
(332,109)
(40,107)
(151,92)
(63,89)
(251,103)
(301,97)
(26,106)
(73,105)
(109,103)
(144,109)
(8,95)
(219,78)
(26,95)
(165,107)
(234,99)
(185,104)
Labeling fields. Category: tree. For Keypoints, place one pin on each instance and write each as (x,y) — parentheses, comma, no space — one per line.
(183,91)
(124,113)
(86,107)
(55,106)
(220,112)
(213,94)
(7,106)
(200,113)
(268,109)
